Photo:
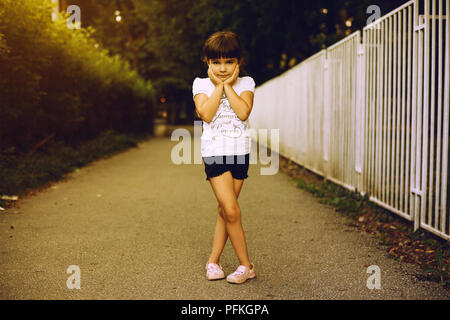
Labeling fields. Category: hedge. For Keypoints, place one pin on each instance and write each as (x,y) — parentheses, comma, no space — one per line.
(56,81)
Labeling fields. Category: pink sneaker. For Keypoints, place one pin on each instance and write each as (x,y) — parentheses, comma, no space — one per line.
(242,274)
(214,271)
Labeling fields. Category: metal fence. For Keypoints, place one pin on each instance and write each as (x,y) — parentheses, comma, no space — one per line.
(373,115)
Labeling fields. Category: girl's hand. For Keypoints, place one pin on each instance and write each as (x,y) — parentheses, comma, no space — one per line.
(216,81)
(231,80)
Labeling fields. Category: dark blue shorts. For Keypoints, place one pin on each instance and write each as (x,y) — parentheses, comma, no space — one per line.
(236,164)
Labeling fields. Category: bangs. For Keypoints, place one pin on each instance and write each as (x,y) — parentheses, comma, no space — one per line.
(222,46)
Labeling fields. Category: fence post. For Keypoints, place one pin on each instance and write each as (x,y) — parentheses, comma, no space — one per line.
(360,134)
(55,9)
(425,107)
(326,126)
(414,191)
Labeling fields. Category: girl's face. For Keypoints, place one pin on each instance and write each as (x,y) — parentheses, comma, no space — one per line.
(223,68)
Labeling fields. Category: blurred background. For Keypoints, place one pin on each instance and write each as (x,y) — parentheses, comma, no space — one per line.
(162,39)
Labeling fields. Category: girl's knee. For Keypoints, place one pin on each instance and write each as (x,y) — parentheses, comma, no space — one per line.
(232,213)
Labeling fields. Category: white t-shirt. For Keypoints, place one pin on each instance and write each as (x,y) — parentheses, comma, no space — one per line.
(226,134)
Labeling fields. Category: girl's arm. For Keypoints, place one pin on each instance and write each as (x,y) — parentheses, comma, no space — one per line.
(242,105)
(207,107)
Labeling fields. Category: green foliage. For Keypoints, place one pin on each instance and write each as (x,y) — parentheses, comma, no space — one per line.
(440,271)
(58,80)
(54,160)
(162,39)
(348,202)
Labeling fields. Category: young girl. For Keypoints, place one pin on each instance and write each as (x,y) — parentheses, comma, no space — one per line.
(224,101)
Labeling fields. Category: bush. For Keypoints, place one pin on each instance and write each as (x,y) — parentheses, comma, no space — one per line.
(57,80)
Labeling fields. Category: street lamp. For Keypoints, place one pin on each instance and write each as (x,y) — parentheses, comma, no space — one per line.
(118,16)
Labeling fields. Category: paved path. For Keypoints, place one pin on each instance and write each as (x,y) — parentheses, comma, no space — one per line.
(141,227)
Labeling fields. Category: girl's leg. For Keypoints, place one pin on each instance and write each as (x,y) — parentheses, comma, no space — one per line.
(220,237)
(223,187)
(221,234)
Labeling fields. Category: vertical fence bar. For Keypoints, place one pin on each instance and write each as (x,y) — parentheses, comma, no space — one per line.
(446,109)
(398,163)
(379,141)
(345,113)
(326,144)
(425,109)
(392,137)
(432,109)
(408,111)
(342,115)
(372,156)
(382,98)
(365,93)
(417,92)
(439,128)
(417,123)
(360,115)
(403,122)
(352,92)
(351,154)
(353,97)
(368,154)
(375,94)
(335,111)
(413,199)
(387,117)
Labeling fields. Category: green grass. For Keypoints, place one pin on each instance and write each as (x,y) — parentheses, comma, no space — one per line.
(19,173)
(329,193)
(439,272)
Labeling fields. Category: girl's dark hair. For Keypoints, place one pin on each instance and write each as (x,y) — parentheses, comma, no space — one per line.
(224,44)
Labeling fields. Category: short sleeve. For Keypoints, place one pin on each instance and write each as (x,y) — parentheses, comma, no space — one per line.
(248,84)
(198,87)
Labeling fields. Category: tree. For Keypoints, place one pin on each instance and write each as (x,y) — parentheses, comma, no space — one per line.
(162,39)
